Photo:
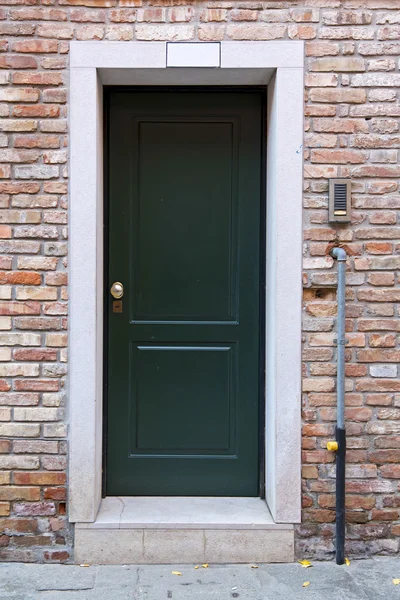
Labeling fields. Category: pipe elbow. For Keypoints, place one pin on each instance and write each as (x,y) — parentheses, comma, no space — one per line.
(339,253)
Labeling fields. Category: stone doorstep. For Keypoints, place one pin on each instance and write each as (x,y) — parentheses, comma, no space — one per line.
(183,530)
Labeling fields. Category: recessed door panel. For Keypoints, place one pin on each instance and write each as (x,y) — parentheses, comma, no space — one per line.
(189,204)
(192,391)
(184,193)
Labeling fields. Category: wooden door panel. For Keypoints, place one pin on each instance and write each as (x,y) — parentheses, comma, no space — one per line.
(184,239)
(198,418)
(191,249)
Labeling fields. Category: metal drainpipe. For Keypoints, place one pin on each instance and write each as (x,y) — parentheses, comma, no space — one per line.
(340,447)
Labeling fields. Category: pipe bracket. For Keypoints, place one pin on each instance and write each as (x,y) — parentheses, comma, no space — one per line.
(332,446)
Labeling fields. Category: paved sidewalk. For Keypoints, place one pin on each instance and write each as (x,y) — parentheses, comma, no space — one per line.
(362,580)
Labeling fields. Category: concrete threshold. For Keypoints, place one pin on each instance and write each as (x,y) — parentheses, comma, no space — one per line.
(167,530)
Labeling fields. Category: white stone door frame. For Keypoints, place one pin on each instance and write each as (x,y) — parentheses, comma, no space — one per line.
(279,65)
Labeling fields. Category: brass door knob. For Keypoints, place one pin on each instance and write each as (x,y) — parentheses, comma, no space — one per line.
(117,290)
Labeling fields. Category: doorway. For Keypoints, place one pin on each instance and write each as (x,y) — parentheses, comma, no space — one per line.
(184,191)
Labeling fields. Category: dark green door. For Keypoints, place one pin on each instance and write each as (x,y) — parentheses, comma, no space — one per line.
(184,240)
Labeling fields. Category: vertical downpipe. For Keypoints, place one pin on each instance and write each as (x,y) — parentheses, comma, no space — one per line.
(340,255)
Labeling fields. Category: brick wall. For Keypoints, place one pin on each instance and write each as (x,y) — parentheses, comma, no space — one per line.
(352,115)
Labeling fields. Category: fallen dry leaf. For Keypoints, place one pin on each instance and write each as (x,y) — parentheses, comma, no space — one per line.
(197,566)
(347,562)
(253,567)
(306,584)
(396,581)
(176,573)
(305,563)
(84,565)
(205,566)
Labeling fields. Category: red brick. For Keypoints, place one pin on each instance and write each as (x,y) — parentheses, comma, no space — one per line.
(322,49)
(18,278)
(38,14)
(5,231)
(378,355)
(302,32)
(11,526)
(39,478)
(5,445)
(384,515)
(379,399)
(385,456)
(338,156)
(57,555)
(14,187)
(19,308)
(36,385)
(338,95)
(37,141)
(377,385)
(34,354)
(318,456)
(31,46)
(37,78)
(391,471)
(55,493)
(12,492)
(378,247)
(244,15)
(37,110)
(10,61)
(319,515)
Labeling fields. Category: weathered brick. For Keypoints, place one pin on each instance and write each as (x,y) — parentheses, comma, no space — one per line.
(34,447)
(33,46)
(156,15)
(241,15)
(18,370)
(37,110)
(85,15)
(36,385)
(36,293)
(36,141)
(11,61)
(19,95)
(19,462)
(346,33)
(36,414)
(35,509)
(304,15)
(35,13)
(40,477)
(338,156)
(346,17)
(322,49)
(338,95)
(387,340)
(19,399)
(164,32)
(37,172)
(259,31)
(16,29)
(61,31)
(339,64)
(12,493)
(379,325)
(58,95)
